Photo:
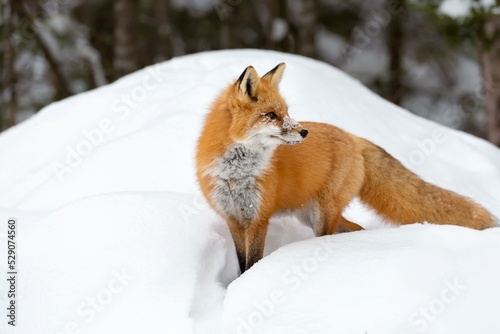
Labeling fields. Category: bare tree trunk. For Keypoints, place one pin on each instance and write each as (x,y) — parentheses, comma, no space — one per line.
(225,35)
(90,55)
(125,53)
(93,60)
(94,16)
(395,45)
(11,117)
(62,84)
(287,44)
(308,18)
(164,47)
(490,61)
(263,11)
(4,31)
(275,25)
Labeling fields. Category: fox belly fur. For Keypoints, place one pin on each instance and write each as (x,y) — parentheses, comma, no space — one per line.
(253,161)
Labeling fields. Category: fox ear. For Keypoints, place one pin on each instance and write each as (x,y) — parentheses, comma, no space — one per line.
(247,82)
(275,75)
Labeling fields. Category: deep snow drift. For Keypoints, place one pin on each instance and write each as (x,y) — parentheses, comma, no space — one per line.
(115,238)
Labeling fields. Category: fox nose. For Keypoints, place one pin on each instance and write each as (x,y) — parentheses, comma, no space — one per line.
(304,133)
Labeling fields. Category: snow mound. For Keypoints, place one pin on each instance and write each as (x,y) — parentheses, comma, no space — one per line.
(116,268)
(415,279)
(114,236)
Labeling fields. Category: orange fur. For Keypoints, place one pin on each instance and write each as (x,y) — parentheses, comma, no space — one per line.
(325,171)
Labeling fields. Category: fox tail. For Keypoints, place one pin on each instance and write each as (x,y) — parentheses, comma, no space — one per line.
(402,197)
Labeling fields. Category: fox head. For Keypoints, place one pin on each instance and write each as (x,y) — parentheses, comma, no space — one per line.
(259,113)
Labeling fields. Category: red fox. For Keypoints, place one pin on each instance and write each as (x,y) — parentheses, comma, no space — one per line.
(253,161)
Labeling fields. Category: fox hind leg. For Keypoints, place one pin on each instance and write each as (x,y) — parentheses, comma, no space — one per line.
(329,218)
(325,219)
(328,221)
(345,225)
(321,217)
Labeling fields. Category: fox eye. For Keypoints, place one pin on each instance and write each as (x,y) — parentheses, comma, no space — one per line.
(272,115)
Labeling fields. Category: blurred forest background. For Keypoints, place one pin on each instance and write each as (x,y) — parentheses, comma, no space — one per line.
(439,58)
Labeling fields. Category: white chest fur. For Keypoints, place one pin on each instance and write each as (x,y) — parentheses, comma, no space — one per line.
(236,193)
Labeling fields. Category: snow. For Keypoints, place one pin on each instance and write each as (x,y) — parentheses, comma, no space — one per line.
(114,236)
(384,281)
(463,8)
(289,123)
(279,29)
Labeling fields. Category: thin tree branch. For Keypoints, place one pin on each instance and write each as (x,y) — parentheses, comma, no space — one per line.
(63,86)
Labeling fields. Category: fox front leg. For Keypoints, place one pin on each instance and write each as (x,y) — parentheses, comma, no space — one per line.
(255,237)
(238,234)
(249,240)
